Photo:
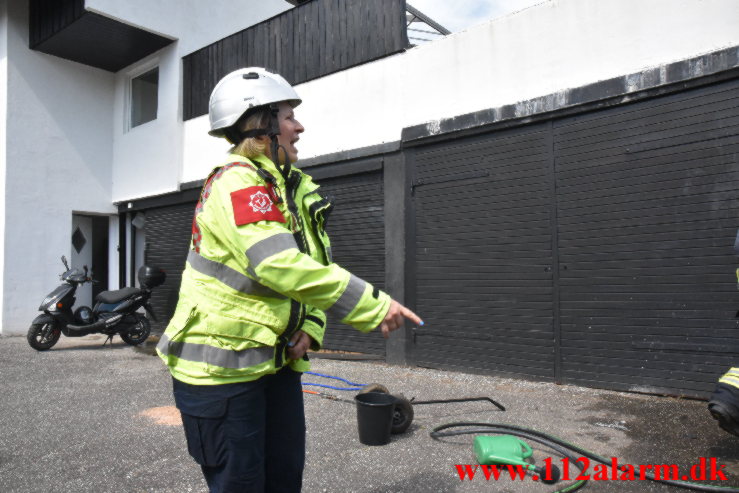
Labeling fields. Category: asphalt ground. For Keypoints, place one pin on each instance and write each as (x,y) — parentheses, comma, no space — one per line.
(87,418)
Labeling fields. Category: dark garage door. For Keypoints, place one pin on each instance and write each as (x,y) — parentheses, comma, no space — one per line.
(483,253)
(357,230)
(168,231)
(648,197)
(640,202)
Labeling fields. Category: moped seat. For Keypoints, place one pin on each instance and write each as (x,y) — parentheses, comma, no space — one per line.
(117,295)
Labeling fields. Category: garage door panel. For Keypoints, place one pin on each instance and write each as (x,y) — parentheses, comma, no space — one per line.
(645,340)
(722,203)
(659,331)
(648,373)
(641,324)
(631,224)
(659,108)
(504,169)
(645,381)
(679,360)
(503,361)
(356,227)
(168,231)
(455,194)
(637,384)
(693,182)
(483,253)
(478,324)
(714,153)
(665,211)
(509,149)
(710,167)
(668,134)
(658,241)
(637,153)
(680,122)
(686,231)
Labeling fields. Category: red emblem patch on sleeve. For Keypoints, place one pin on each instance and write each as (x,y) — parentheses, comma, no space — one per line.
(253,204)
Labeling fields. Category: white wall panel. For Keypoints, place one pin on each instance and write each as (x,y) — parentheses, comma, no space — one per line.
(3,135)
(147,160)
(59,138)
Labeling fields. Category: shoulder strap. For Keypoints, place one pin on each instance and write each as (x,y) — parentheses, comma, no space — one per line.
(197,237)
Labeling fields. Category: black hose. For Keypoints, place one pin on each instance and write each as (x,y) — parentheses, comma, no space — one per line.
(518,430)
(466,399)
(436,434)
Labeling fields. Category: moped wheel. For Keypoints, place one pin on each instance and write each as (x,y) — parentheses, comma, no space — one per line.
(43,336)
(137,333)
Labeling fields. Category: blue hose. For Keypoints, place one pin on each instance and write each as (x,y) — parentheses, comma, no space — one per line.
(355,386)
(332,387)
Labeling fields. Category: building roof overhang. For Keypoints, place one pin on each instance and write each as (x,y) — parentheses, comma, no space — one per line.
(67,30)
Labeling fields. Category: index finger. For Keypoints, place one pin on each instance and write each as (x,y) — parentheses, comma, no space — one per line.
(411,316)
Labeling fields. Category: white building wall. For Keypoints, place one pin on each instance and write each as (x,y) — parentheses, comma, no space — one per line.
(59,135)
(555,45)
(3,129)
(147,159)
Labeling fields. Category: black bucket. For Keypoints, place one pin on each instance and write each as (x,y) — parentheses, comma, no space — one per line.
(374,417)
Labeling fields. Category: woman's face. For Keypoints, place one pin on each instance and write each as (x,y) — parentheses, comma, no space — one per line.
(290,130)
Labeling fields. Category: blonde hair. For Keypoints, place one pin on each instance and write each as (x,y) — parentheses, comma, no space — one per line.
(250,147)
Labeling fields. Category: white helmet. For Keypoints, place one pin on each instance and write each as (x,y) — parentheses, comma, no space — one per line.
(243,90)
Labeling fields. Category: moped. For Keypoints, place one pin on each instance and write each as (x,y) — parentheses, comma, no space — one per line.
(114,312)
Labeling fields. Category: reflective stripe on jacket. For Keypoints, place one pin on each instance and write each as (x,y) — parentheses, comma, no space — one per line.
(246,289)
(731,377)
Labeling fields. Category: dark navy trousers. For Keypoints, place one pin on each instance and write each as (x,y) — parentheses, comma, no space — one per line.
(247,437)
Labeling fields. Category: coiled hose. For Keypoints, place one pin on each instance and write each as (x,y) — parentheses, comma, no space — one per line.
(562,447)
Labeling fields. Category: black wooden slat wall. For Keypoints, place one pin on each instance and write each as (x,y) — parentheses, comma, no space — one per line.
(483,251)
(648,197)
(168,231)
(315,39)
(356,227)
(49,17)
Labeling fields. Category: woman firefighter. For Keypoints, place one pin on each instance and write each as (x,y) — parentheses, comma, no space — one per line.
(258,279)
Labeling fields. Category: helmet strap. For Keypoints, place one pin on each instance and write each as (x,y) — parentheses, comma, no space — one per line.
(275,148)
(235,136)
(273,132)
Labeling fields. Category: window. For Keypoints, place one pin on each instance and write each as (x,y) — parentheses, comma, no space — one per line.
(144,90)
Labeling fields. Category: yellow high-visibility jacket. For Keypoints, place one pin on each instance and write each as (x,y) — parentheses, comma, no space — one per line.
(259,269)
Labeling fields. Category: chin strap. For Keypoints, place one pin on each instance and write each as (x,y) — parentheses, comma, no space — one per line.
(235,136)
(273,132)
(275,148)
